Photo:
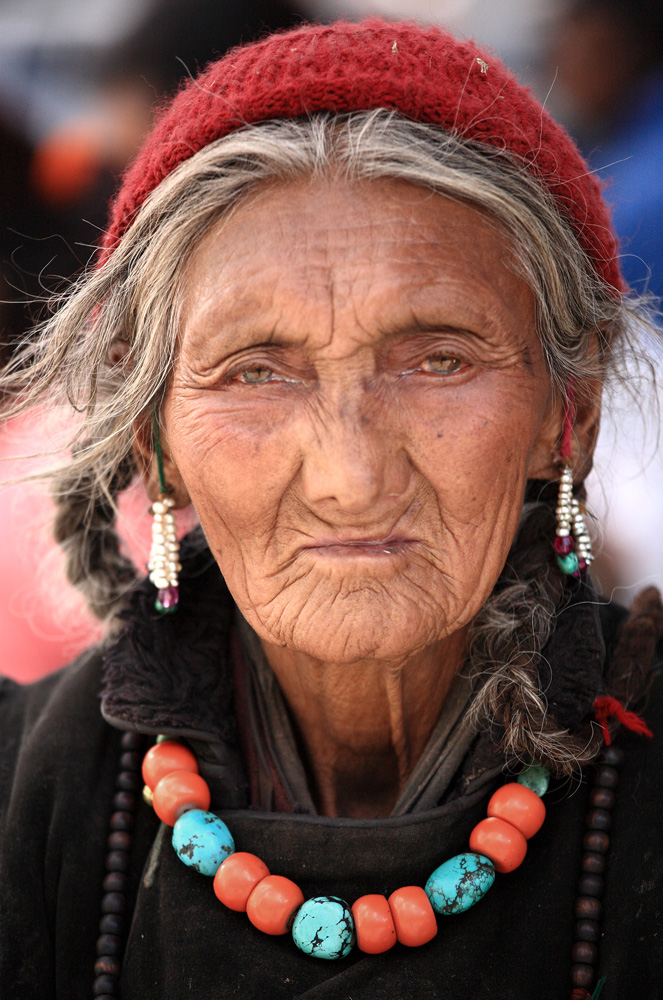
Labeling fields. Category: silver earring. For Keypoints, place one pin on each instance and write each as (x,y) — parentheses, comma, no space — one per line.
(164,563)
(572,542)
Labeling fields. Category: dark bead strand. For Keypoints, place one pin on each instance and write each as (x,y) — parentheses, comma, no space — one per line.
(593,864)
(596,844)
(590,885)
(118,862)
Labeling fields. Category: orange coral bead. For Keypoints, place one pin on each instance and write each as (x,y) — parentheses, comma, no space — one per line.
(374,924)
(177,792)
(165,757)
(272,905)
(498,840)
(236,879)
(519,806)
(414,918)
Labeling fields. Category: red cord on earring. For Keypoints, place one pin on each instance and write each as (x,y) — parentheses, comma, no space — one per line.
(606,708)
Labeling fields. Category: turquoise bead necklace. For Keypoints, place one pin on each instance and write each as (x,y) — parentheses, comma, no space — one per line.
(327,927)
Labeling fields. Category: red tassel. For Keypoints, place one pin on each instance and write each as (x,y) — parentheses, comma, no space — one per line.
(606,708)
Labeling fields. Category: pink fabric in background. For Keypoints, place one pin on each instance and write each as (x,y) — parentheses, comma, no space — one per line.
(44,622)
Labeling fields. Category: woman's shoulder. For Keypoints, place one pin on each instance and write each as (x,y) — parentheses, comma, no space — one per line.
(58,763)
(50,723)
(28,702)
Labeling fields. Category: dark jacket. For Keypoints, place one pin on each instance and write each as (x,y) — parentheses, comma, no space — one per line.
(59,761)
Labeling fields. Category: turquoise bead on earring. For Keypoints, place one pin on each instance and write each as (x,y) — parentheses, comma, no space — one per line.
(568,564)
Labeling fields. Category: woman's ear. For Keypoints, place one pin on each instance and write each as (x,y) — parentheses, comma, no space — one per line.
(546,458)
(146,460)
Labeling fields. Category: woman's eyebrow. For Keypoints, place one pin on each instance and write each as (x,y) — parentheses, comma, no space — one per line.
(234,330)
(415,322)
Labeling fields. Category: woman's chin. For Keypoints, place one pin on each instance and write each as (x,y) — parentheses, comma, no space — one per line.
(346,635)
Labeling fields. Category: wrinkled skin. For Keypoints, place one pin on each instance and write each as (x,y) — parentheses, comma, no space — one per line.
(359,399)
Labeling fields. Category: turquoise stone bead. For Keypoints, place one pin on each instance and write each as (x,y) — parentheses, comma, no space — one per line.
(202,840)
(460,883)
(568,564)
(536,777)
(324,927)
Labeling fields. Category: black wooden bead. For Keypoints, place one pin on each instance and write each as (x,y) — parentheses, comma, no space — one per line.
(593,864)
(606,777)
(109,944)
(107,965)
(116,882)
(119,840)
(124,800)
(584,953)
(105,985)
(131,761)
(590,885)
(613,756)
(118,861)
(121,820)
(131,741)
(602,798)
(113,902)
(588,908)
(582,976)
(111,923)
(599,819)
(596,841)
(129,781)
(587,930)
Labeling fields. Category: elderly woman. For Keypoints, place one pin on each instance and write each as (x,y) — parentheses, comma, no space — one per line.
(356,302)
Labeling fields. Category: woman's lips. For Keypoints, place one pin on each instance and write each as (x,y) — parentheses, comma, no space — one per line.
(361,547)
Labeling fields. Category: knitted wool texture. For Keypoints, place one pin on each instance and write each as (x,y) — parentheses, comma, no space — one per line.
(422,72)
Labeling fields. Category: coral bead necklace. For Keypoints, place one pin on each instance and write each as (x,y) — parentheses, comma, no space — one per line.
(325,926)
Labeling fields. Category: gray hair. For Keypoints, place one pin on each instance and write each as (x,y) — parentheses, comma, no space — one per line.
(136,297)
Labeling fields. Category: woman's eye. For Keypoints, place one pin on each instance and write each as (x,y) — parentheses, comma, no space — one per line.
(254,376)
(440,364)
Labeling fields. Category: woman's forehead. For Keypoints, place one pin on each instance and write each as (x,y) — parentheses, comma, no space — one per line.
(382,250)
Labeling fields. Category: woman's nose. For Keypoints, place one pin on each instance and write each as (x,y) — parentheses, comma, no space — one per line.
(354,460)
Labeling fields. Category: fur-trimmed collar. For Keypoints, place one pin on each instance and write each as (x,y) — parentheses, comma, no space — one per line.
(173,672)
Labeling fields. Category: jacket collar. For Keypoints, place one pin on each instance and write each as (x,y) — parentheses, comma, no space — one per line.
(173,673)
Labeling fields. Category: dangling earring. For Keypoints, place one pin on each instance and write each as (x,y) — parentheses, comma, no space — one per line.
(572,542)
(164,563)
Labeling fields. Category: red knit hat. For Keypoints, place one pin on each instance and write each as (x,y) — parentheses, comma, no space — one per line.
(422,72)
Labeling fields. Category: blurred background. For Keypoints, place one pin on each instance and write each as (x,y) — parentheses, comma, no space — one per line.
(79,80)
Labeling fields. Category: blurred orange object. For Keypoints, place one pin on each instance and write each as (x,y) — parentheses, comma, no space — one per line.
(66,164)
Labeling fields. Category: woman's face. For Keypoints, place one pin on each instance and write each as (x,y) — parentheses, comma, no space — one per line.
(359,398)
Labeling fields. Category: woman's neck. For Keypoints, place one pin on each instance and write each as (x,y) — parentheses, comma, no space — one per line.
(364,725)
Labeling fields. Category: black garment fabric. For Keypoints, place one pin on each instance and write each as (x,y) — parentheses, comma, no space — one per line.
(58,765)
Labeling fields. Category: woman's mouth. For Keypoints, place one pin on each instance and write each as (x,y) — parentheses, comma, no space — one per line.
(354,548)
